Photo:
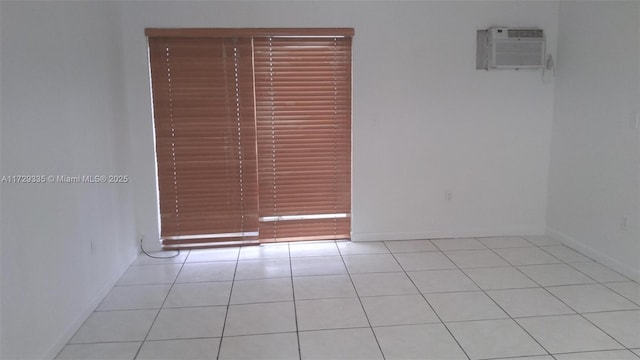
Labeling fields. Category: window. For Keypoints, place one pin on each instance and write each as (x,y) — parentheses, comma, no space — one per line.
(253,134)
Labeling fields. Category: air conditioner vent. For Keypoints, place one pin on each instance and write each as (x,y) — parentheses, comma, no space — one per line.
(525,33)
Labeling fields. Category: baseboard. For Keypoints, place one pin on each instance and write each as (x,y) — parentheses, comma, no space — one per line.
(68,333)
(442,234)
(596,255)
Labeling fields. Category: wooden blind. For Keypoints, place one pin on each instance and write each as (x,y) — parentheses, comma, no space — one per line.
(303,117)
(203,102)
(253,134)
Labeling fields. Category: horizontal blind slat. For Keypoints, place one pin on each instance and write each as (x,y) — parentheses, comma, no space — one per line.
(205,135)
(303,115)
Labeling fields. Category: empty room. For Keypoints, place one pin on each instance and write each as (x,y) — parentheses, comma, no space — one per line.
(320,180)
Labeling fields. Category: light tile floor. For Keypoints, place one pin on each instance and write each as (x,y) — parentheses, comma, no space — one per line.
(487,298)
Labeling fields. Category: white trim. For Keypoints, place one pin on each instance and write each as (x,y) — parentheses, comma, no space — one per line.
(210,244)
(596,255)
(304,217)
(444,234)
(306,36)
(211,236)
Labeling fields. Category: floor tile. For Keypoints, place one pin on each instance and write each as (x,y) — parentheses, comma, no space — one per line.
(209,271)
(326,314)
(272,295)
(264,290)
(221,254)
(264,251)
(565,254)
(282,346)
(313,249)
(199,294)
(504,242)
(403,246)
(424,261)
(499,278)
(529,302)
(378,284)
(541,240)
(318,265)
(263,318)
(459,244)
(323,287)
(567,333)
(536,357)
(115,326)
(185,349)
(398,310)
(555,274)
(357,264)
(494,338)
(186,323)
(135,297)
(598,272)
(599,355)
(464,306)
(263,269)
(591,298)
(436,281)
(167,256)
(431,341)
(526,256)
(150,274)
(628,289)
(624,326)
(362,247)
(121,351)
(476,258)
(339,344)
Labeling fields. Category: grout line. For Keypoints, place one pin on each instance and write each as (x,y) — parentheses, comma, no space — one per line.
(190,282)
(105,342)
(340,328)
(575,268)
(498,305)
(166,307)
(342,257)
(624,296)
(565,261)
(361,304)
(210,262)
(570,307)
(431,307)
(590,351)
(139,285)
(85,321)
(618,281)
(226,315)
(161,306)
(295,305)
(161,264)
(260,334)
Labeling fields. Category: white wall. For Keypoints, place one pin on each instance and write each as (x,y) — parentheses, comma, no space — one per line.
(75,100)
(62,114)
(424,120)
(595,156)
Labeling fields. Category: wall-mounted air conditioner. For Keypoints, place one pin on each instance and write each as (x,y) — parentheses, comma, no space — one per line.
(510,48)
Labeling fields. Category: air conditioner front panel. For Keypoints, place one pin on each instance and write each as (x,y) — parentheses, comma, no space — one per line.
(518,53)
(511,48)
